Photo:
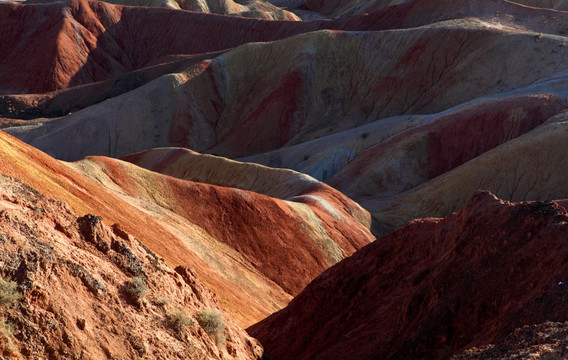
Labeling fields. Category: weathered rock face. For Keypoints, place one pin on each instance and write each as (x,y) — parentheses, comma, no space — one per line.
(80,42)
(95,44)
(92,291)
(299,237)
(432,288)
(320,103)
(295,93)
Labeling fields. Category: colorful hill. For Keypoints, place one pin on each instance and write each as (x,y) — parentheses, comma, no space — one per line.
(267,245)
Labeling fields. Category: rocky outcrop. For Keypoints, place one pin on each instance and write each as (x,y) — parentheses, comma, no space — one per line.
(432,288)
(78,288)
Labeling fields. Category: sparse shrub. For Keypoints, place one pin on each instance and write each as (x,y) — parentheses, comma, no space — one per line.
(5,328)
(137,289)
(178,321)
(7,347)
(9,293)
(162,301)
(212,322)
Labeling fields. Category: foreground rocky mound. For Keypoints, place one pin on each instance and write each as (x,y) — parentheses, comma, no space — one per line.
(432,288)
(72,287)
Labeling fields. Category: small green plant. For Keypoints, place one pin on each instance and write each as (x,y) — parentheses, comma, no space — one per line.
(212,322)
(137,288)
(179,321)
(10,295)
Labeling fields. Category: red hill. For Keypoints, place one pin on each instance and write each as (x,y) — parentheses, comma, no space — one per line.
(432,288)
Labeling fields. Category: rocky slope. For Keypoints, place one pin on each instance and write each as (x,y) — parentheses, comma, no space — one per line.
(79,42)
(224,106)
(527,170)
(99,41)
(432,288)
(72,287)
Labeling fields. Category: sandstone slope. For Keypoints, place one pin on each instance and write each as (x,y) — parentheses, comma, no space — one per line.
(267,250)
(526,168)
(412,135)
(406,107)
(79,42)
(432,288)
